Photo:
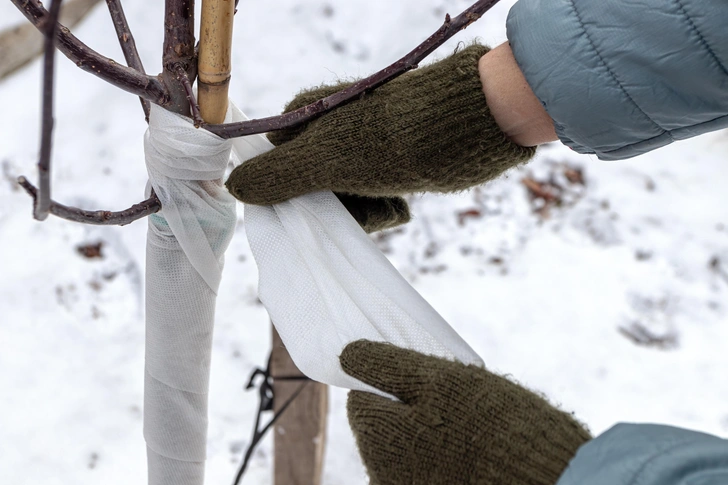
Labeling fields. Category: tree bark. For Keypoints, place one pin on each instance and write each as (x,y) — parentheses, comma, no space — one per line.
(179,49)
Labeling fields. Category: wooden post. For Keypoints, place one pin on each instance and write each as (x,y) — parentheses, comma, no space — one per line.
(300,433)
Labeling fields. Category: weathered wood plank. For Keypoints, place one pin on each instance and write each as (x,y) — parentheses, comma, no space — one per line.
(300,433)
(21,44)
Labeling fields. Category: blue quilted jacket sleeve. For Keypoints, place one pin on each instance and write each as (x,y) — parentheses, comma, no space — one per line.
(623,77)
(649,454)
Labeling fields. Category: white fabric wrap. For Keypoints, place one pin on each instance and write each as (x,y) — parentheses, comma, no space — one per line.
(326,284)
(186,242)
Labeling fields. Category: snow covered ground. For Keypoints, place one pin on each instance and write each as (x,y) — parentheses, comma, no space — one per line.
(611,299)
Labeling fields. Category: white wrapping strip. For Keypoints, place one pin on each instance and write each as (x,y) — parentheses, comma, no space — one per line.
(185,247)
(325,284)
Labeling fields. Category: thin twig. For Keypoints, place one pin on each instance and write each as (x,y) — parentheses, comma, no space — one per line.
(641,335)
(194,107)
(43,201)
(127,43)
(539,190)
(408,62)
(100,217)
(126,78)
(719,268)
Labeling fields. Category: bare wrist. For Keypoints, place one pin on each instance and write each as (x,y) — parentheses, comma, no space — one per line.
(512,103)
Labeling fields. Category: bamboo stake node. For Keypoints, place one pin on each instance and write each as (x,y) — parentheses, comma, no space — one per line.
(213,69)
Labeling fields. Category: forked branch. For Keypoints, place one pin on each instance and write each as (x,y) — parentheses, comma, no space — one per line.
(42,202)
(126,78)
(194,107)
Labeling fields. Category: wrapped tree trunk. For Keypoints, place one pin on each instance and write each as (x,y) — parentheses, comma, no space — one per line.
(185,252)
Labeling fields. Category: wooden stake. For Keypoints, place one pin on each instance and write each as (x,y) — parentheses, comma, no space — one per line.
(300,433)
(213,68)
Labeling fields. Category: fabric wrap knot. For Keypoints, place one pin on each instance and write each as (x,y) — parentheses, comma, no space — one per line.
(179,157)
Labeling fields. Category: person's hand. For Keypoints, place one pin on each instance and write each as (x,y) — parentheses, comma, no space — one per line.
(428,130)
(454,424)
(372,213)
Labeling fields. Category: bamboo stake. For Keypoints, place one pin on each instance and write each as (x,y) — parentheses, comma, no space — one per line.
(299,454)
(213,69)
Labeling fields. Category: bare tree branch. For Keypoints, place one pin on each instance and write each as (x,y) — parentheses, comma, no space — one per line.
(127,43)
(42,203)
(100,217)
(194,107)
(126,78)
(180,66)
(408,62)
(179,56)
(179,48)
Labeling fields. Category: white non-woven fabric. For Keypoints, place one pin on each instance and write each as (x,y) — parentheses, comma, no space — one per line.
(186,242)
(326,284)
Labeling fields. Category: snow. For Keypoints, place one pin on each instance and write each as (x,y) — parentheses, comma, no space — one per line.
(541,295)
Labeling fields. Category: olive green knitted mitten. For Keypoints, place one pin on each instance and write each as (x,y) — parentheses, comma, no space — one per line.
(372,213)
(304,98)
(455,424)
(376,213)
(428,130)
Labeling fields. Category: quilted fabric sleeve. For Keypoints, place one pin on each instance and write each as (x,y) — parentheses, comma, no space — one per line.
(621,78)
(649,454)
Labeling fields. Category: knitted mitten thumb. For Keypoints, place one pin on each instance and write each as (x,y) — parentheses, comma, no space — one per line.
(454,424)
(372,213)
